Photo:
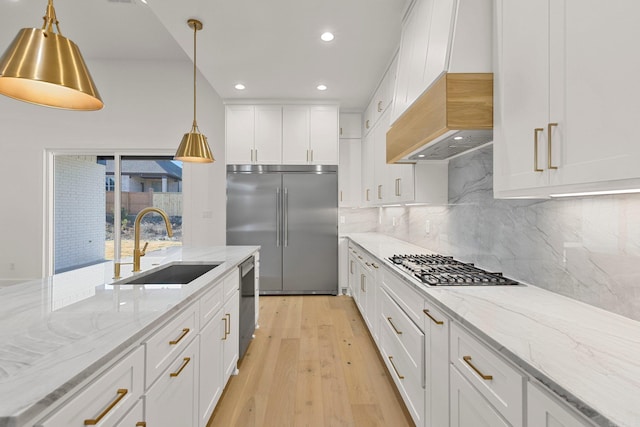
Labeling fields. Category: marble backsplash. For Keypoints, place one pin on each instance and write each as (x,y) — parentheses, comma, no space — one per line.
(585,248)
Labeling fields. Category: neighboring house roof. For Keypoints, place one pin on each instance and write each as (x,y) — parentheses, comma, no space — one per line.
(148,169)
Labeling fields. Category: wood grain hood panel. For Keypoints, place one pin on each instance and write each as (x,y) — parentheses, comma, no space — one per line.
(456,101)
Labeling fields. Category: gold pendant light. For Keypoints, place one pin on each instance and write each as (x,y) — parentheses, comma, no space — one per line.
(45,68)
(194,147)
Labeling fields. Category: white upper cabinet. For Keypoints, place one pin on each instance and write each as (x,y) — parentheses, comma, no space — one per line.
(381,99)
(295,134)
(268,134)
(350,125)
(282,134)
(565,97)
(240,125)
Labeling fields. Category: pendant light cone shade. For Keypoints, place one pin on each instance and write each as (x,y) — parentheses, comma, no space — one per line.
(194,146)
(45,68)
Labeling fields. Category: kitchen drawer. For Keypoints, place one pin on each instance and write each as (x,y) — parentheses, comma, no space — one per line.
(107,399)
(411,302)
(231,283)
(502,385)
(135,417)
(469,408)
(164,346)
(407,373)
(409,336)
(211,303)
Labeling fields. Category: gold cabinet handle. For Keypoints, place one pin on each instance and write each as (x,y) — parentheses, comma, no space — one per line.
(467,360)
(341,196)
(366,124)
(228,332)
(367,195)
(379,106)
(256,155)
(311,156)
(225,328)
(185,362)
(340,131)
(367,263)
(141,424)
(375,265)
(437,322)
(398,187)
(307,156)
(359,257)
(362,287)
(536,131)
(394,326)
(122,392)
(395,369)
(351,267)
(184,333)
(549,131)
(380,191)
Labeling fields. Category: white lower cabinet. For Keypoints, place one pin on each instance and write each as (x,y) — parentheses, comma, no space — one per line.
(105,401)
(231,336)
(135,417)
(546,411)
(211,370)
(436,366)
(173,399)
(469,408)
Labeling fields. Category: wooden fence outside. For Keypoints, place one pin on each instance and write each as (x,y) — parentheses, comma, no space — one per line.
(133,203)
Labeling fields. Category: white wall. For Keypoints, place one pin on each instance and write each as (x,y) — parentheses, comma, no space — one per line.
(148,106)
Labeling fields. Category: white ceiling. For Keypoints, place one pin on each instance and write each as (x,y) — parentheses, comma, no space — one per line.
(271,46)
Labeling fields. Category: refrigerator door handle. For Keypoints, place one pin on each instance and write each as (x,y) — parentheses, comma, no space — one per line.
(286,217)
(278,214)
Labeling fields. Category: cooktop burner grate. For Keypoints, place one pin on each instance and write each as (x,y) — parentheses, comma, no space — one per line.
(439,270)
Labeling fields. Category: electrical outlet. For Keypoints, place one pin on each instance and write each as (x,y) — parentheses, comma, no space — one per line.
(427,227)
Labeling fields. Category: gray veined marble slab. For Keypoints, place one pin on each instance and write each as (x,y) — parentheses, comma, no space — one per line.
(588,356)
(58,331)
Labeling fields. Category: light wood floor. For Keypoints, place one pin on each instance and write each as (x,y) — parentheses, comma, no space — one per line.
(312,363)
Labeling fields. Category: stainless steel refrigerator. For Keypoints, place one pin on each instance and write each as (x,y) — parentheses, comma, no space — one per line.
(292,213)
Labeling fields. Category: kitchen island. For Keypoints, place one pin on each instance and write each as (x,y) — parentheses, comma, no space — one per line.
(585,356)
(59,333)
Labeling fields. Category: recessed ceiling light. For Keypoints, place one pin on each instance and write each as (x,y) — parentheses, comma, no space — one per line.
(240,86)
(322,87)
(327,37)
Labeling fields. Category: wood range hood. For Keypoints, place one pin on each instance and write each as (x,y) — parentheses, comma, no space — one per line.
(453,115)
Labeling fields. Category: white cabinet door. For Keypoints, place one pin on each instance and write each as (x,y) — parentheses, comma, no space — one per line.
(440,32)
(173,400)
(349,173)
(231,350)
(382,179)
(521,94)
(295,135)
(350,125)
(468,407)
(436,366)
(268,134)
(368,160)
(211,369)
(594,91)
(353,272)
(323,127)
(239,128)
(544,411)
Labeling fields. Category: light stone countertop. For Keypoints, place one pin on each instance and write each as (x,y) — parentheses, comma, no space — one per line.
(58,331)
(588,356)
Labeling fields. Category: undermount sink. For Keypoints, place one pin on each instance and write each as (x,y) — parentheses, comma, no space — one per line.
(175,274)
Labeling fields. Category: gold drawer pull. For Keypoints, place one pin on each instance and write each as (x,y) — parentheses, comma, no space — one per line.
(535,149)
(141,424)
(185,362)
(375,265)
(395,369)
(122,392)
(549,131)
(379,106)
(368,264)
(394,326)
(437,322)
(184,333)
(467,360)
(228,331)
(225,328)
(366,124)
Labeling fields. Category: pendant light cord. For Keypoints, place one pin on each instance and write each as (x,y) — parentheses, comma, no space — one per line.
(195,31)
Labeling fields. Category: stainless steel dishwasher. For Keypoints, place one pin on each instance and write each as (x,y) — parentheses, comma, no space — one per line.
(247,303)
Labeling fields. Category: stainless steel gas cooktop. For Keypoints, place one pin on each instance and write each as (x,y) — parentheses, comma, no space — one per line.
(438,270)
